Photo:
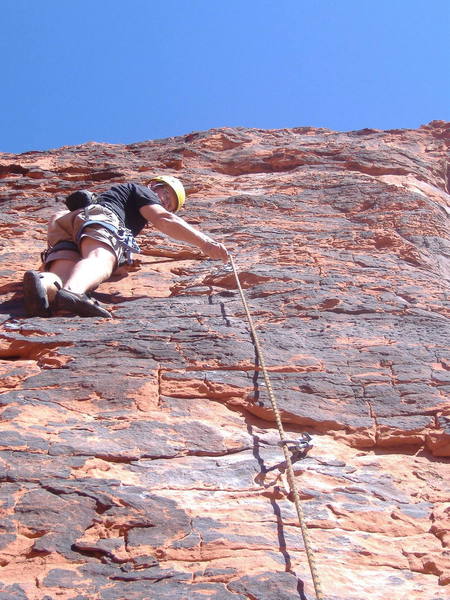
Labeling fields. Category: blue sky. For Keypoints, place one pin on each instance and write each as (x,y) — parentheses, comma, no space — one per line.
(123,71)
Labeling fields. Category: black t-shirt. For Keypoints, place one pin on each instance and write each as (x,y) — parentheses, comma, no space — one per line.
(125,199)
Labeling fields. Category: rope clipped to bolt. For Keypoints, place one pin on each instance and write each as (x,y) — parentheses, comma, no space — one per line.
(284,444)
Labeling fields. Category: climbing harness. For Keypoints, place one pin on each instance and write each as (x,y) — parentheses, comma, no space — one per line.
(285,443)
(122,234)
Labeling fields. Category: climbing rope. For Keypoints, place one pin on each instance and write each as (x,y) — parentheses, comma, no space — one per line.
(284,443)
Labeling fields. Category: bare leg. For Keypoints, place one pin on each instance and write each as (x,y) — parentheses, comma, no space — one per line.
(96,266)
(62,267)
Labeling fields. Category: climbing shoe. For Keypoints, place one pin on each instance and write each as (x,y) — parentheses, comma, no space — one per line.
(35,294)
(80,304)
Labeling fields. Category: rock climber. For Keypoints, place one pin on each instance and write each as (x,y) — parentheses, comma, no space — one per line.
(87,244)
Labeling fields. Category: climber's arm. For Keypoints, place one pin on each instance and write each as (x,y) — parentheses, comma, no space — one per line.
(178,229)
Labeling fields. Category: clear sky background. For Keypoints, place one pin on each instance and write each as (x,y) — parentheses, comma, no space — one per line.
(124,71)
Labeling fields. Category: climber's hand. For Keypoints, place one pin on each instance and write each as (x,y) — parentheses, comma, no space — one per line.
(215,250)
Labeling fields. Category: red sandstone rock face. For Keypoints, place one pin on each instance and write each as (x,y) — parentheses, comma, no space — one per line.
(138,455)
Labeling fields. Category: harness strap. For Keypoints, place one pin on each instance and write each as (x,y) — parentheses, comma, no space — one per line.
(63,245)
(122,234)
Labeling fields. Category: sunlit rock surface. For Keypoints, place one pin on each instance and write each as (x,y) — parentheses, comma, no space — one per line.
(138,454)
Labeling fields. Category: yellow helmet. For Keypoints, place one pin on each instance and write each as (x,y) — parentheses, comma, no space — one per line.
(176,185)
